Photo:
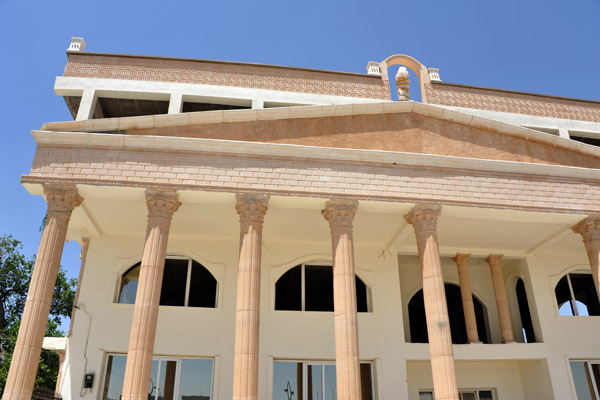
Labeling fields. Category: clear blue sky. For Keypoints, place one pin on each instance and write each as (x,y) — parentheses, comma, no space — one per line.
(529,45)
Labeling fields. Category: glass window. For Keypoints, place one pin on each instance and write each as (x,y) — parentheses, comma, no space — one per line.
(576,295)
(310,288)
(170,379)
(462,394)
(313,380)
(185,283)
(585,377)
(129,284)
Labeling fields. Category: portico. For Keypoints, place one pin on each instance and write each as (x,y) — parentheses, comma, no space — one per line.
(250,210)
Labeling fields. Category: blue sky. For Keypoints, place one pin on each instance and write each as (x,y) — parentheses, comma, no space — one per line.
(537,46)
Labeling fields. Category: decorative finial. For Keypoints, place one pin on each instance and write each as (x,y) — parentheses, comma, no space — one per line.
(434,74)
(373,68)
(77,44)
(403,84)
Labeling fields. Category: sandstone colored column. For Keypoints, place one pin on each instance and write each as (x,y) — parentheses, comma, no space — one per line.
(252,209)
(501,298)
(26,356)
(161,206)
(340,214)
(423,217)
(589,229)
(462,262)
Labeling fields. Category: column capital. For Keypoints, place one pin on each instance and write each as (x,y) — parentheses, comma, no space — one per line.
(461,258)
(423,217)
(162,204)
(588,228)
(340,213)
(251,207)
(62,199)
(494,259)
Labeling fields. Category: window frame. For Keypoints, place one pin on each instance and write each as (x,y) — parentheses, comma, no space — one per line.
(303,287)
(464,390)
(573,300)
(590,372)
(322,363)
(187,283)
(161,358)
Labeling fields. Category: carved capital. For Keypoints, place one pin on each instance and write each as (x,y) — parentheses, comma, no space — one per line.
(340,213)
(161,204)
(423,217)
(494,259)
(62,199)
(251,207)
(461,258)
(588,228)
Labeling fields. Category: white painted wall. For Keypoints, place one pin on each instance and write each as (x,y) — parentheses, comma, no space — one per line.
(516,371)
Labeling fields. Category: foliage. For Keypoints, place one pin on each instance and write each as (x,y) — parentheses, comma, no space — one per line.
(15,275)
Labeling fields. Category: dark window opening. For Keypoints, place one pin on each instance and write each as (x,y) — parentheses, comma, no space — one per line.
(526,321)
(418,320)
(587,140)
(318,288)
(194,107)
(185,283)
(174,282)
(310,288)
(107,107)
(576,295)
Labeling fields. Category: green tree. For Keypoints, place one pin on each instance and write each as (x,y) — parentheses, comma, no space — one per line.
(15,275)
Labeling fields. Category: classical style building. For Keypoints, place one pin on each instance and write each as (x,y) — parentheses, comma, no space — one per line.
(262,232)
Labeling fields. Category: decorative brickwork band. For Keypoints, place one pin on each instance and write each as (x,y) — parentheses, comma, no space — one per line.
(161,206)
(251,209)
(26,356)
(462,262)
(589,229)
(340,214)
(501,298)
(423,218)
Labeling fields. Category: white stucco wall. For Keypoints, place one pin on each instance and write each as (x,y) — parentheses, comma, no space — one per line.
(516,371)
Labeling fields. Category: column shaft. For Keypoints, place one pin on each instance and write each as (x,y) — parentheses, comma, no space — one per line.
(26,356)
(161,206)
(501,298)
(252,209)
(589,229)
(462,262)
(423,217)
(340,214)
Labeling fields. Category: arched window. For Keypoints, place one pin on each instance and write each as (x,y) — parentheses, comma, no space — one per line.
(576,295)
(526,321)
(310,288)
(185,283)
(458,329)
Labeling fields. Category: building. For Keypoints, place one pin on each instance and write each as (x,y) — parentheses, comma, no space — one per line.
(456,238)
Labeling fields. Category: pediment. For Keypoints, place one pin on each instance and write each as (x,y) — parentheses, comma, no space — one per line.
(403,127)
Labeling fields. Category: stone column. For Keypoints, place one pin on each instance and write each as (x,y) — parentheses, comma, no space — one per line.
(589,229)
(252,209)
(61,361)
(161,206)
(501,298)
(26,356)
(423,217)
(462,262)
(340,214)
